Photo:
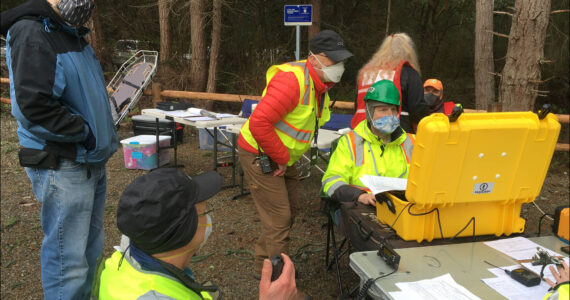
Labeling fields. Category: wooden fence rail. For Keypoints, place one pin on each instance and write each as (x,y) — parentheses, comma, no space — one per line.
(158,95)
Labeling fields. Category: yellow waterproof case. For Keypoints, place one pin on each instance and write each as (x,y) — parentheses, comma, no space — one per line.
(471,176)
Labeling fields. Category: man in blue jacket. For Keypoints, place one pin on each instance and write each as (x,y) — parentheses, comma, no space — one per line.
(66,135)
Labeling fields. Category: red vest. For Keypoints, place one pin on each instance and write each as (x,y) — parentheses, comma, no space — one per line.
(369,78)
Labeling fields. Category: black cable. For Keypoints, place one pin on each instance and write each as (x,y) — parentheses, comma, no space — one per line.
(392,226)
(540,222)
(465,227)
(364,290)
(427,213)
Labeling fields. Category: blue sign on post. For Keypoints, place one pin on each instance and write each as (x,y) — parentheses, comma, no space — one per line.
(296,15)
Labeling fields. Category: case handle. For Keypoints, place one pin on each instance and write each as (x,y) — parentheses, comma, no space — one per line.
(455,113)
(546,108)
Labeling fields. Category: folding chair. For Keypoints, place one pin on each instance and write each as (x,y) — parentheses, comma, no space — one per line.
(331,209)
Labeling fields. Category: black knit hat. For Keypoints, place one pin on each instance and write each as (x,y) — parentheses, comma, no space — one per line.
(331,44)
(157,212)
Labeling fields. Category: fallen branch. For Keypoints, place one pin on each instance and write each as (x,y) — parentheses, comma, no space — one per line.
(496,12)
(559,11)
(499,34)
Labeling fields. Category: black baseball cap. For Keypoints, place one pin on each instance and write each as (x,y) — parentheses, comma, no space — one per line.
(156,211)
(331,44)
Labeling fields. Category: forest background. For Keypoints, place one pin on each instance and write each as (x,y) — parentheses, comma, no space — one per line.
(233,42)
(455,40)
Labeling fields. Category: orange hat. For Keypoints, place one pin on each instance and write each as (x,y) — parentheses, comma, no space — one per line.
(436,84)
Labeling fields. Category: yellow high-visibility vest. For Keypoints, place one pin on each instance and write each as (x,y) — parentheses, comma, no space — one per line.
(360,152)
(128,282)
(296,130)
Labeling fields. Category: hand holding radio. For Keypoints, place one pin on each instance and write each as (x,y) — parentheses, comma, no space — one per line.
(284,286)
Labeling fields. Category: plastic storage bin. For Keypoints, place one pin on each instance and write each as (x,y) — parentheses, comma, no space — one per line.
(473,173)
(140,152)
(207,140)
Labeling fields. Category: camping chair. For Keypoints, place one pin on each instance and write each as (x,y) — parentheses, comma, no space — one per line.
(331,209)
(128,84)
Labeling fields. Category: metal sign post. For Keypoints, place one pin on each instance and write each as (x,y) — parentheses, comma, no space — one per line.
(298,15)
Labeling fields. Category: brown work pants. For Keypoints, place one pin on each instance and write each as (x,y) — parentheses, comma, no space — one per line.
(275,198)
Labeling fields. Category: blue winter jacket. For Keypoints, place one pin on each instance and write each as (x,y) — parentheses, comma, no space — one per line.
(57,88)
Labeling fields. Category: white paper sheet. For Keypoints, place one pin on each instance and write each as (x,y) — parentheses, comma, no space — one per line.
(154,110)
(510,288)
(407,295)
(442,287)
(195,119)
(221,116)
(518,247)
(194,111)
(178,113)
(379,184)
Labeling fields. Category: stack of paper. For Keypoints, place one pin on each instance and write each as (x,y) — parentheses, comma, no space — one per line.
(197,114)
(518,248)
(442,287)
(379,184)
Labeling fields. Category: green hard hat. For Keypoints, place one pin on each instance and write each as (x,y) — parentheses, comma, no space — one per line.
(383,91)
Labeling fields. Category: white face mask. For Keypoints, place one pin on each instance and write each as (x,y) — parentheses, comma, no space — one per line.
(331,73)
(208,230)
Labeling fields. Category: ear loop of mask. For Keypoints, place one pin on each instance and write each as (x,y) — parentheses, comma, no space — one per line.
(178,254)
(366,106)
(320,63)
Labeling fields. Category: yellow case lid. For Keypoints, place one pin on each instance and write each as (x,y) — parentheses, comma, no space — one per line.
(481,157)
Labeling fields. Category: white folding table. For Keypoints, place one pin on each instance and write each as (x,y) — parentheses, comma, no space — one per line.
(203,124)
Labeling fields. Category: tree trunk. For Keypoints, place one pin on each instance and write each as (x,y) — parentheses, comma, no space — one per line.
(316,26)
(95,37)
(388,17)
(163,15)
(214,49)
(484,64)
(198,69)
(521,75)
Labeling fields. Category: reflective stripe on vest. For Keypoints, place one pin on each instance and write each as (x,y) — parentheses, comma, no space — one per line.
(306,97)
(298,134)
(334,187)
(408,147)
(130,282)
(356,145)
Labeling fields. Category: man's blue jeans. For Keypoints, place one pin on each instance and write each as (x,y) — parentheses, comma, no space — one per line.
(73,207)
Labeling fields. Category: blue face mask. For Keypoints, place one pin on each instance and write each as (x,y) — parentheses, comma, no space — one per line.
(387,124)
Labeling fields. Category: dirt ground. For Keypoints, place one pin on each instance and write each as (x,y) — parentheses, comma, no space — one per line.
(227,257)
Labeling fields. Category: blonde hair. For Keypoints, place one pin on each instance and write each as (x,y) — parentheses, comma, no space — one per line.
(394,49)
